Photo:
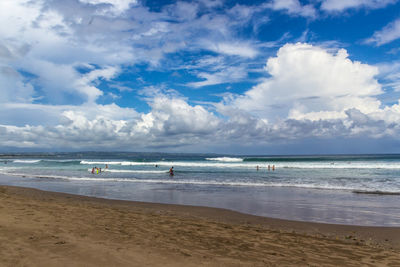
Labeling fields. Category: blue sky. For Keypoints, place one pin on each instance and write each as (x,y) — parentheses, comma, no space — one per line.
(245,77)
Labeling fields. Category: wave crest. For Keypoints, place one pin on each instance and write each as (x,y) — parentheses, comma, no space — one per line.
(26,161)
(226,159)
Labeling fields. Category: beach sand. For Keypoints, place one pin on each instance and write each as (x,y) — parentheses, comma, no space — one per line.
(39,228)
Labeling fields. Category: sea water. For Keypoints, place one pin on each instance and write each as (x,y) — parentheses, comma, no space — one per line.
(348,189)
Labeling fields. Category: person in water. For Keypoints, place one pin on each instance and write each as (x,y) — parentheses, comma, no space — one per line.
(171,171)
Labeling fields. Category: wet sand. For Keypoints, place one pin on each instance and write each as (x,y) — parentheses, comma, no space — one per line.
(39,228)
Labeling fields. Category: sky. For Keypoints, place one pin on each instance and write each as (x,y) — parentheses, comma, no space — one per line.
(242,77)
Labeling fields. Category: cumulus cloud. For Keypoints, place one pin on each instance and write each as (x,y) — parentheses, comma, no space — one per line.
(340,5)
(175,117)
(179,125)
(171,122)
(389,33)
(53,49)
(308,82)
(312,92)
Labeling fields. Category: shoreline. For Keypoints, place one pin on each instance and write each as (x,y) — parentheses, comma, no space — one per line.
(130,233)
(286,203)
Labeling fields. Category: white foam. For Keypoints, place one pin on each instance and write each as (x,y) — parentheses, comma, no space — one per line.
(340,165)
(123,163)
(226,159)
(131,171)
(26,161)
(167,180)
(99,178)
(86,162)
(234,163)
(62,160)
(173,163)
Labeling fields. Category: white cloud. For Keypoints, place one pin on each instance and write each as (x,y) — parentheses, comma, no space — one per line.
(311,91)
(173,116)
(293,7)
(211,3)
(116,6)
(389,33)
(39,114)
(234,49)
(49,39)
(171,122)
(225,75)
(390,75)
(85,83)
(340,5)
(13,87)
(309,82)
(180,125)
(212,70)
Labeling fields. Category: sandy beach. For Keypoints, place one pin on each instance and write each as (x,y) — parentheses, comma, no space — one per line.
(39,228)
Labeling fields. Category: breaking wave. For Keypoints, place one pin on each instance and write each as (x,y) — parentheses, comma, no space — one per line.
(226,159)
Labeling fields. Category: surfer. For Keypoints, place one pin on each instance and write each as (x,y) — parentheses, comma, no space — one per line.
(171,171)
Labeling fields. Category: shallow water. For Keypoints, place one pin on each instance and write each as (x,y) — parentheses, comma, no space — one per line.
(311,188)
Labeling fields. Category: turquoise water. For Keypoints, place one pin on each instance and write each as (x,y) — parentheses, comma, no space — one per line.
(370,173)
(311,188)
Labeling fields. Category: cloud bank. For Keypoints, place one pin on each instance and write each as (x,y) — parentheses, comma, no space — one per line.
(311,93)
(62,61)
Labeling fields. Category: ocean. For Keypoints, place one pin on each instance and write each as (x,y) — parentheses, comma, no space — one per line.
(344,189)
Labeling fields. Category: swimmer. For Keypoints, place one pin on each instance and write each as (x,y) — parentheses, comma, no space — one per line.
(273,167)
(257,168)
(171,171)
